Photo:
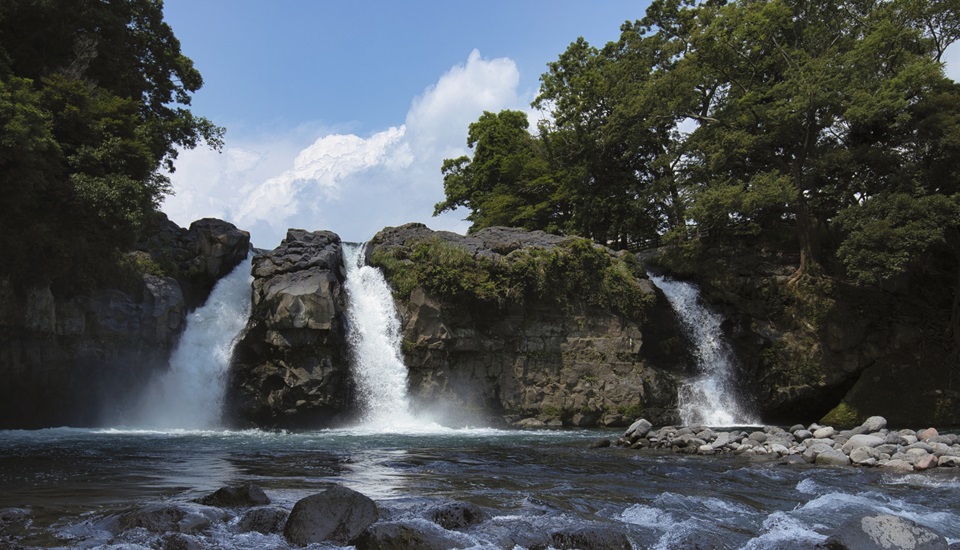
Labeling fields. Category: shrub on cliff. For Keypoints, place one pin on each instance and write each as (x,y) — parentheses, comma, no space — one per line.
(575,273)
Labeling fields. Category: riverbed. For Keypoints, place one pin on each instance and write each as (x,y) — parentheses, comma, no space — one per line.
(68,484)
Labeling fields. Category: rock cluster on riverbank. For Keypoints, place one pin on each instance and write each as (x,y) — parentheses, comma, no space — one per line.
(870,444)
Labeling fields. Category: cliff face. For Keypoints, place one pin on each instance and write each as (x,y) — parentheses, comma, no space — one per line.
(821,347)
(290,369)
(528,327)
(73,360)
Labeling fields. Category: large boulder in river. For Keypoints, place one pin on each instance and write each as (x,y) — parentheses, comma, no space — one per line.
(236,496)
(337,515)
(290,369)
(527,325)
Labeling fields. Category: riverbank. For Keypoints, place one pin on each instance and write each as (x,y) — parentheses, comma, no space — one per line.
(871,444)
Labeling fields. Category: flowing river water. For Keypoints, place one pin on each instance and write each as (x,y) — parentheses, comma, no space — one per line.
(67,487)
(73,483)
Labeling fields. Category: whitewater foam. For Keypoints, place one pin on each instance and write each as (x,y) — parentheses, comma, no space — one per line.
(190,393)
(709,398)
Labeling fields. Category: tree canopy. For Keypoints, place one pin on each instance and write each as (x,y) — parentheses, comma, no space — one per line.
(824,127)
(94,103)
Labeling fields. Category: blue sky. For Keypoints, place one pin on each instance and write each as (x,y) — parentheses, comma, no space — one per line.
(339,114)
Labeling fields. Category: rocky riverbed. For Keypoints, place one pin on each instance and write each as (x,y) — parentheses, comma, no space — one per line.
(871,444)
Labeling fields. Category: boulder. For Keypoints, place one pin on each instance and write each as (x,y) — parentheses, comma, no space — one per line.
(590,538)
(897,464)
(812,451)
(267,520)
(925,462)
(948,461)
(457,515)
(236,496)
(168,518)
(179,541)
(824,433)
(864,456)
(862,440)
(832,457)
(884,532)
(404,536)
(638,429)
(874,424)
(337,515)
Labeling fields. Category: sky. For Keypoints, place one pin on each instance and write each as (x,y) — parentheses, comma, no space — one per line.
(339,114)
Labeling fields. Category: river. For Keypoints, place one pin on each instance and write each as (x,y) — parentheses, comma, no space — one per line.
(72,483)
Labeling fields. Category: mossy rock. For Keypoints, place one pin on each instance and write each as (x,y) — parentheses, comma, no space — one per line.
(842,416)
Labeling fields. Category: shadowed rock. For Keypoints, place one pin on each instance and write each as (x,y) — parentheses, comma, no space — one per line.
(266,520)
(337,515)
(457,515)
(236,496)
(404,536)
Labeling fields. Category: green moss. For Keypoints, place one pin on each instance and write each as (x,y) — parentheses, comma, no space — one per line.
(550,410)
(576,273)
(632,411)
(842,416)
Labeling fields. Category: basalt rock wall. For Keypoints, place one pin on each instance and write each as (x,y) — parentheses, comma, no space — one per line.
(818,348)
(290,369)
(526,327)
(73,360)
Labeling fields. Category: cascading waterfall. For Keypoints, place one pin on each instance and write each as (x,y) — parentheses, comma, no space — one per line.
(373,330)
(709,398)
(190,394)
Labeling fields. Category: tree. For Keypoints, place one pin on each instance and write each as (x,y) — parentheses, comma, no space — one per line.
(506,182)
(93,103)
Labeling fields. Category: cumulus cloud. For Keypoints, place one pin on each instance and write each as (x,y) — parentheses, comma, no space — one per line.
(344,182)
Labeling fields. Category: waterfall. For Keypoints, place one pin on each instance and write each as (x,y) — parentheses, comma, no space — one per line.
(373,331)
(709,398)
(190,393)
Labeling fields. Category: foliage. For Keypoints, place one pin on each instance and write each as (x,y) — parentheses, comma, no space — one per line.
(576,273)
(92,106)
(506,181)
(721,122)
(886,232)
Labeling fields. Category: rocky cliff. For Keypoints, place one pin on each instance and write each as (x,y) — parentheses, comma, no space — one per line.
(502,325)
(822,349)
(290,369)
(71,360)
(529,327)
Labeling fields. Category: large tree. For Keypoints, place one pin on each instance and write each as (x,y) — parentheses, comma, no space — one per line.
(94,103)
(826,128)
(507,181)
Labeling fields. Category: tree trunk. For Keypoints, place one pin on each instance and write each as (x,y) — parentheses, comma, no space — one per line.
(809,240)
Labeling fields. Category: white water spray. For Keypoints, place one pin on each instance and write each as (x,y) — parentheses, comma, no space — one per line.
(373,331)
(190,394)
(708,398)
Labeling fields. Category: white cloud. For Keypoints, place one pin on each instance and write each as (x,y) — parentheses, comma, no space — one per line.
(349,184)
